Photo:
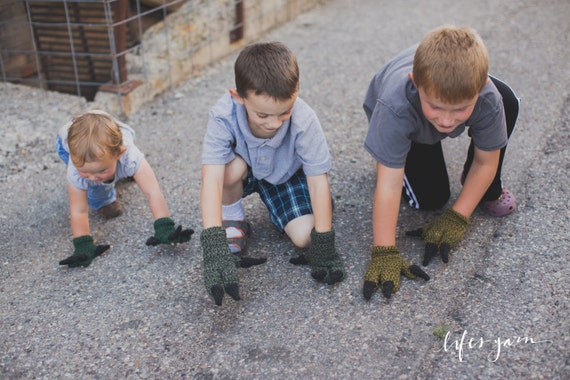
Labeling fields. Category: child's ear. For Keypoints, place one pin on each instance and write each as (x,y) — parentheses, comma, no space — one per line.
(123,150)
(411,76)
(236,96)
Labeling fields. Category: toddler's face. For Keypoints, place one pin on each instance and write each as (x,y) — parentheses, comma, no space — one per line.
(265,115)
(99,171)
(443,116)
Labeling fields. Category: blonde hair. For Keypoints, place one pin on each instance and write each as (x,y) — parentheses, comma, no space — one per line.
(93,136)
(451,64)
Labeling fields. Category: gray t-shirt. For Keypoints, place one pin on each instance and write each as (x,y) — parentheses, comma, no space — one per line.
(299,142)
(393,108)
(127,165)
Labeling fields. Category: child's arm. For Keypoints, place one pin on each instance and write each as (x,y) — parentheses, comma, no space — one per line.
(164,227)
(448,229)
(211,195)
(386,204)
(78,211)
(386,265)
(478,179)
(220,273)
(326,264)
(148,183)
(319,191)
(85,249)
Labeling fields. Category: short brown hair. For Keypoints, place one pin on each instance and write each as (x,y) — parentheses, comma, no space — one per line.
(451,64)
(92,136)
(267,68)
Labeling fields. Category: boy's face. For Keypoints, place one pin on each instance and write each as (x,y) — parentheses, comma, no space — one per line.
(99,171)
(443,116)
(265,115)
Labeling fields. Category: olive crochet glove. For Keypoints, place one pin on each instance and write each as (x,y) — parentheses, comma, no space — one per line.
(385,268)
(326,265)
(442,234)
(85,251)
(165,233)
(220,265)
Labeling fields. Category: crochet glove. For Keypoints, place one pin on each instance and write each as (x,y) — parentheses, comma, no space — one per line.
(164,233)
(220,273)
(85,251)
(442,234)
(385,268)
(326,265)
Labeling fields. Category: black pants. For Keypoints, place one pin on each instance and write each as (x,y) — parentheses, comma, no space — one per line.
(426,183)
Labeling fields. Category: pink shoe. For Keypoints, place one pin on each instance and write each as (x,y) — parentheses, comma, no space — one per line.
(504,205)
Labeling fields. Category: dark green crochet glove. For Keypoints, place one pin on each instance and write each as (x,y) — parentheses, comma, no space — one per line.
(85,251)
(385,268)
(442,234)
(164,233)
(326,265)
(220,273)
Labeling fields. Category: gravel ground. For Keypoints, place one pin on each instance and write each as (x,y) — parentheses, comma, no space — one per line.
(499,309)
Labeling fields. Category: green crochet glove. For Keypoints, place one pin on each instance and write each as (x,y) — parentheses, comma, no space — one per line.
(220,273)
(326,265)
(385,268)
(442,234)
(164,233)
(85,251)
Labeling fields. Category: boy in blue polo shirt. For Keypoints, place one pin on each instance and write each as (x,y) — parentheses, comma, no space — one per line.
(263,138)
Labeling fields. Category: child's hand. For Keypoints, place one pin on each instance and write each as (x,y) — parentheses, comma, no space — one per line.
(326,265)
(164,233)
(85,251)
(442,234)
(220,272)
(385,268)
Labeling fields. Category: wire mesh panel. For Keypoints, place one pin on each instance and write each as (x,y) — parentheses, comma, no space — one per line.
(133,49)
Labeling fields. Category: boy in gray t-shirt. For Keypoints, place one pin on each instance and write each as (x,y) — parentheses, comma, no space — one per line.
(429,92)
(262,138)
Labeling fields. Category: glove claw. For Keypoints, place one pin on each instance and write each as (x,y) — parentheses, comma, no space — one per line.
(430,252)
(335,276)
(233,291)
(299,260)
(416,233)
(246,262)
(319,274)
(152,241)
(416,270)
(387,289)
(444,249)
(101,249)
(368,289)
(217,292)
(74,259)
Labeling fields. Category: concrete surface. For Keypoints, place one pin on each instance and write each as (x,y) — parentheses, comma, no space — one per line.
(141,312)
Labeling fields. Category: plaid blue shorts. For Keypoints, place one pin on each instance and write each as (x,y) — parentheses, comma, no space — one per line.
(285,201)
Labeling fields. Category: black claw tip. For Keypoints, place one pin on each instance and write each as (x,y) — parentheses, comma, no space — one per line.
(416,270)
(299,260)
(368,289)
(334,277)
(387,289)
(217,292)
(246,262)
(444,252)
(233,290)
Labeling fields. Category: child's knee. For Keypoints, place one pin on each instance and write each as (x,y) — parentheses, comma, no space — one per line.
(299,230)
(236,172)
